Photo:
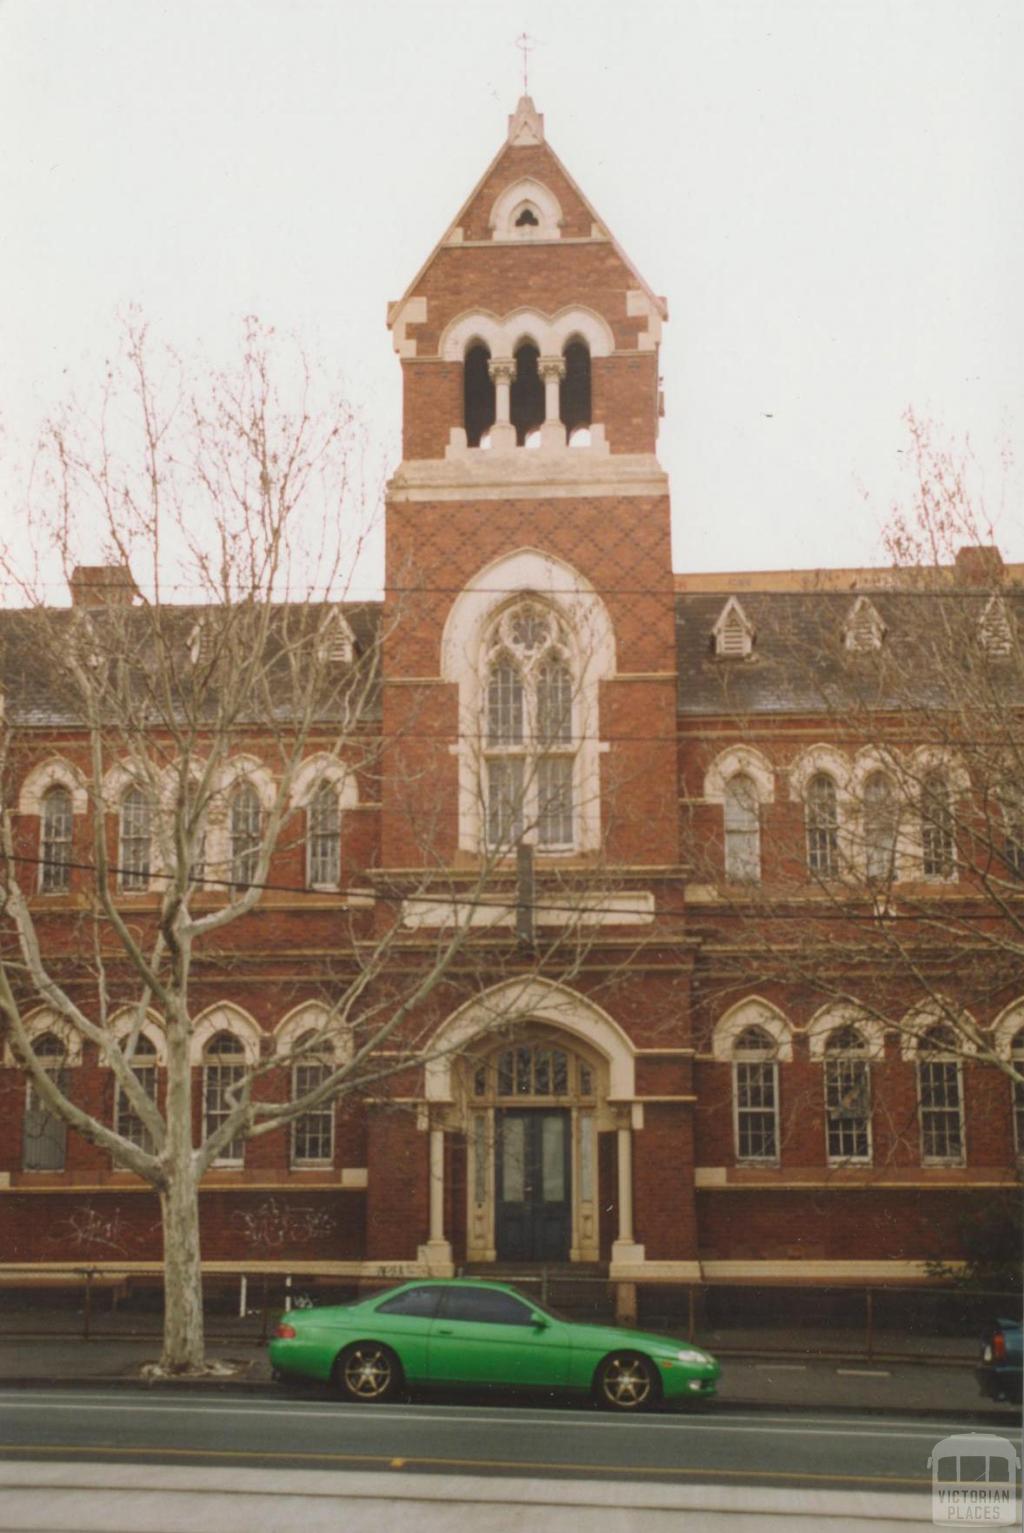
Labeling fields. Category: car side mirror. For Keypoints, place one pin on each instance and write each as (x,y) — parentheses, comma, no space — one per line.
(537,1319)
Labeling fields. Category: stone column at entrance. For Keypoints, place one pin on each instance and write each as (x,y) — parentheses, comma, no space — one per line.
(625,1248)
(436,1255)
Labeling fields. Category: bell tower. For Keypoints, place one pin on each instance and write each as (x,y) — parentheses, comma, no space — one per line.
(529,351)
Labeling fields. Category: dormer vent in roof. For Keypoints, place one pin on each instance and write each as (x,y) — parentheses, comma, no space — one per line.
(201,642)
(336,643)
(995,628)
(863,629)
(733,633)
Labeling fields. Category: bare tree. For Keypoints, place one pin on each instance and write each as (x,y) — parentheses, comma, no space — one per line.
(208,744)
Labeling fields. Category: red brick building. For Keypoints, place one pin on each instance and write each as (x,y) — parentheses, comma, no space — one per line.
(676,1103)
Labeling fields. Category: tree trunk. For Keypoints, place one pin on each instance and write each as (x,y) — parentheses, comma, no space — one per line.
(184,1347)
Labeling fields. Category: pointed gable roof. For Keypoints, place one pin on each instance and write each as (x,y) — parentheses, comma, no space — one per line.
(525,156)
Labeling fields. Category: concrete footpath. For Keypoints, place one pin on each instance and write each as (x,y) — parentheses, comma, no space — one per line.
(796,1375)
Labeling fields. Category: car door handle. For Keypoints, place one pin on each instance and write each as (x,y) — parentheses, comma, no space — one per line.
(444,1330)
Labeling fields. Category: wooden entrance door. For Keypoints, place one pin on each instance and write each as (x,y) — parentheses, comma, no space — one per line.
(533,1212)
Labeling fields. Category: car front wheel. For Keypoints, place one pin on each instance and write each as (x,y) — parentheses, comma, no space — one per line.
(368,1372)
(626,1381)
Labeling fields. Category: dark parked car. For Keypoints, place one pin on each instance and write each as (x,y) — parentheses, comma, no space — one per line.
(1000,1369)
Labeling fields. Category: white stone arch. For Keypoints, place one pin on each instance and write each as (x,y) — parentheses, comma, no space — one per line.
(939,758)
(509,203)
(529,572)
(323,768)
(250,770)
(122,1022)
(1007,1025)
(937,1012)
(45,1020)
(819,758)
(502,334)
(314,1016)
(832,1016)
(225,1017)
(752,1012)
(739,760)
(531,1000)
(56,772)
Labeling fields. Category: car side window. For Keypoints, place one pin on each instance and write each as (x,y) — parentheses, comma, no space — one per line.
(488,1305)
(412,1301)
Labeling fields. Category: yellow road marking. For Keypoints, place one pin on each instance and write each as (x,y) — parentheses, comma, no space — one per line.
(397,1463)
(278,1455)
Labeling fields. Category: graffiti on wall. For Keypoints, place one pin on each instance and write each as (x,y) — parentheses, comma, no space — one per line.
(273,1226)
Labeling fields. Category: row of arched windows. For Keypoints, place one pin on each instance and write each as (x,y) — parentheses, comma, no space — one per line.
(846,1054)
(44,1133)
(136,829)
(863,838)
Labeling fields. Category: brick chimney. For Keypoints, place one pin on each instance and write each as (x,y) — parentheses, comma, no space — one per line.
(979,564)
(102,585)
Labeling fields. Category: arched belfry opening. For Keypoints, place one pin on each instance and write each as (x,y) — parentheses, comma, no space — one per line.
(477,393)
(574,395)
(527,393)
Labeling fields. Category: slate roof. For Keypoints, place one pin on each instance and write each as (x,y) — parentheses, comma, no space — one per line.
(38,690)
(799,663)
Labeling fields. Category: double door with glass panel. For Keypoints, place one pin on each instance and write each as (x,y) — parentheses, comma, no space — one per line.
(533,1191)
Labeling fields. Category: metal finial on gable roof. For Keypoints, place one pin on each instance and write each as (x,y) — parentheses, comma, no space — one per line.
(525,43)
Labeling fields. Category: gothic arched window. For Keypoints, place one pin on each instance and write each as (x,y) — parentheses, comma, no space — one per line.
(55,842)
(822,826)
(136,839)
(528,729)
(245,835)
(313,1131)
(44,1134)
(127,1122)
(880,821)
(756,1095)
(847,1095)
(223,1069)
(742,813)
(527,393)
(323,838)
(940,1098)
(937,842)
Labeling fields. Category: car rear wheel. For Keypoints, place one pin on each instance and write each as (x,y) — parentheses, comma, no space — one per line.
(626,1381)
(368,1372)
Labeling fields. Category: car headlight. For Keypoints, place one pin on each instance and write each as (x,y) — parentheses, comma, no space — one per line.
(691,1355)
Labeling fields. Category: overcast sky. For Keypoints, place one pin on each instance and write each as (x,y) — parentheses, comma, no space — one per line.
(828,192)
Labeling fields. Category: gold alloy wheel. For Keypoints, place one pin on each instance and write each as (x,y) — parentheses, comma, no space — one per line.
(367,1371)
(626,1382)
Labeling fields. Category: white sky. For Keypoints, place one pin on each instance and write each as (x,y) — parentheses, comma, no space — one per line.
(829,193)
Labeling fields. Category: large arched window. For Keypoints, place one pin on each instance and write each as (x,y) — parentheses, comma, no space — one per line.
(313,1132)
(936,827)
(1013,830)
(847,1095)
(940,1097)
(136,839)
(245,824)
(477,394)
(756,1095)
(44,1133)
(880,822)
(574,393)
(323,838)
(127,1122)
(822,826)
(528,729)
(742,812)
(223,1068)
(55,841)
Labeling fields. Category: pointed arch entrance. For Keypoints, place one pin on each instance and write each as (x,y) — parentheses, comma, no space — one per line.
(529,1073)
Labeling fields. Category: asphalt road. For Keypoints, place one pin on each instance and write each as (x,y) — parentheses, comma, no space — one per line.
(132,1460)
(791,1450)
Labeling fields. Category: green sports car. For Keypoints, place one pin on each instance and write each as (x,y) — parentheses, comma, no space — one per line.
(458,1332)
